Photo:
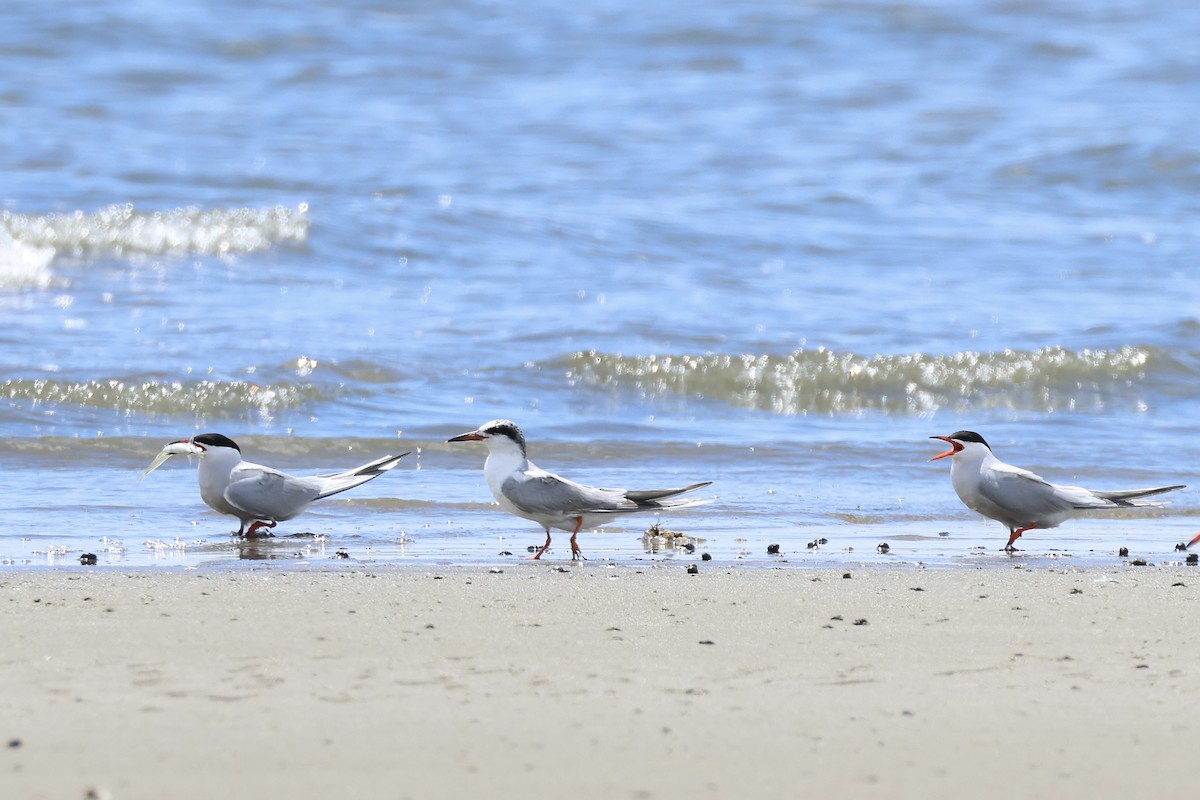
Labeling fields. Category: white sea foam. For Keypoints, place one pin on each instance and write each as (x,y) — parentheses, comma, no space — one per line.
(828,382)
(24,265)
(165,397)
(125,230)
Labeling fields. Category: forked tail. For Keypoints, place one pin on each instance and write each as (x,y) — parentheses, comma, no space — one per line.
(341,481)
(1128,498)
(663,498)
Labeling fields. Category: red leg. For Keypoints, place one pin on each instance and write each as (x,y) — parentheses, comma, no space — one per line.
(545,547)
(1008,548)
(576,553)
(260,524)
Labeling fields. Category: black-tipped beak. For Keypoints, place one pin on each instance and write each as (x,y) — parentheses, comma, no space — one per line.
(471,436)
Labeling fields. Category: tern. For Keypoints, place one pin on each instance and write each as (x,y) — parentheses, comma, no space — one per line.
(523,489)
(1019,499)
(260,496)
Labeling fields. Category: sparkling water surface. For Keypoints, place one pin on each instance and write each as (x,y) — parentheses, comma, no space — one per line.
(772,245)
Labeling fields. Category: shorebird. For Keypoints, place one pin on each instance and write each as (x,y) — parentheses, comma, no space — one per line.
(1019,499)
(521,488)
(260,496)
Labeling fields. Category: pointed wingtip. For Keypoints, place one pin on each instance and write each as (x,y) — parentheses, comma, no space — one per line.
(387,462)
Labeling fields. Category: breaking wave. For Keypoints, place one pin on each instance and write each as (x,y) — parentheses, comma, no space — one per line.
(203,397)
(124,230)
(822,381)
(24,265)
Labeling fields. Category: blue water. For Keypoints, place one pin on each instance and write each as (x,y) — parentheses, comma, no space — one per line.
(772,245)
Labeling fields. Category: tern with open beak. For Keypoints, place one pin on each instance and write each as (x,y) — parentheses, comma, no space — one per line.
(259,496)
(1019,499)
(523,489)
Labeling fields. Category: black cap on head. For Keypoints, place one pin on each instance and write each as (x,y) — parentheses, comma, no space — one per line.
(505,427)
(216,440)
(970,436)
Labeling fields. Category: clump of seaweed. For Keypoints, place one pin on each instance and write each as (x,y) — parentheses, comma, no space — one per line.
(659,539)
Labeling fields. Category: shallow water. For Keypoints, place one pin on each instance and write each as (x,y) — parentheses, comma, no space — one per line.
(772,245)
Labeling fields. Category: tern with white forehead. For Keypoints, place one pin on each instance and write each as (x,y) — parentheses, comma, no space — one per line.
(521,488)
(260,496)
(1019,499)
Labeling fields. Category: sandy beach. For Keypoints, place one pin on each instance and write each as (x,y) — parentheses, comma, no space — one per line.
(599,681)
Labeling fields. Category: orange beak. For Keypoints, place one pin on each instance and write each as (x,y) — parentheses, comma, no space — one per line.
(1193,541)
(954,447)
(472,436)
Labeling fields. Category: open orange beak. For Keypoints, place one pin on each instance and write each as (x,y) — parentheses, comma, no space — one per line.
(954,447)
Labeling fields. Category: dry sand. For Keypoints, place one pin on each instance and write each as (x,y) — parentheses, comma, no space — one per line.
(600,681)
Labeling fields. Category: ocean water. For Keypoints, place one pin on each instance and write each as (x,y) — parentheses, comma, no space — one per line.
(775,245)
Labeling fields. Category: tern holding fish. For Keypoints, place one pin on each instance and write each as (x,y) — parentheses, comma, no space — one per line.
(259,496)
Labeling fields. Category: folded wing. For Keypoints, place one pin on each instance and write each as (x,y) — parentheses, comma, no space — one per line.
(549,494)
(1014,489)
(268,494)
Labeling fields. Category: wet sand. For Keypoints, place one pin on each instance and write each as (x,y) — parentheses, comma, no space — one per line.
(600,681)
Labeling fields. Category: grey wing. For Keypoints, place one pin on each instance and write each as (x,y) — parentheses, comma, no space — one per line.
(1018,490)
(549,494)
(269,494)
